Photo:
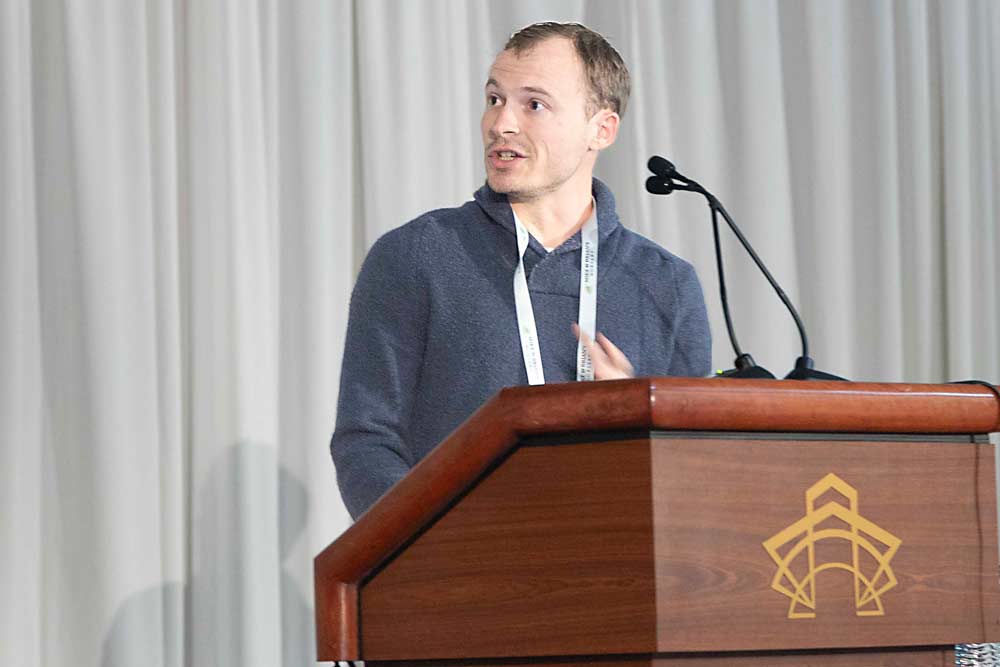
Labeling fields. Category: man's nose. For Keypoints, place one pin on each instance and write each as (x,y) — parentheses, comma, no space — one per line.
(505,122)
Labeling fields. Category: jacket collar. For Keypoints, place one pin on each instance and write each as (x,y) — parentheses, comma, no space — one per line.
(497,208)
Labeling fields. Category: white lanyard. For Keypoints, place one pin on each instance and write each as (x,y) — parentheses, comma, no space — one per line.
(587,318)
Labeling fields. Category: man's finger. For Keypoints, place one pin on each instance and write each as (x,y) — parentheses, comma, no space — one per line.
(616,356)
(608,361)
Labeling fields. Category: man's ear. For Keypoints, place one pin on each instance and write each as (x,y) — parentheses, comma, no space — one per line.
(606,122)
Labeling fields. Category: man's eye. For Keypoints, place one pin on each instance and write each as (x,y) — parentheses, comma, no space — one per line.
(535,105)
(492,100)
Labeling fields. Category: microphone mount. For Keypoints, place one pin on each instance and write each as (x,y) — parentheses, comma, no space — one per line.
(666,180)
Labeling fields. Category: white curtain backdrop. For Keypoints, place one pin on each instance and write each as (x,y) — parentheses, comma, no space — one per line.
(187,189)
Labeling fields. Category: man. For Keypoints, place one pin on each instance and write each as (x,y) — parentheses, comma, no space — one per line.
(459,303)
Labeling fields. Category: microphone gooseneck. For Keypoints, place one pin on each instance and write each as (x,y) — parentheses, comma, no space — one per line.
(723,293)
(667,179)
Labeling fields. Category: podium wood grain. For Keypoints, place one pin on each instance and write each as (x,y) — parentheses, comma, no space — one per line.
(543,555)
(546,558)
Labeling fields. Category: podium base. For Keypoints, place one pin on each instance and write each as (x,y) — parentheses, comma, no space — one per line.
(924,656)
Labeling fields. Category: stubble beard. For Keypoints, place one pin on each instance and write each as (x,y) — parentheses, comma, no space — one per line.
(523,192)
(513,192)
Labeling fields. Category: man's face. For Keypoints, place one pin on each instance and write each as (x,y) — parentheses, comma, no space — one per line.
(536,131)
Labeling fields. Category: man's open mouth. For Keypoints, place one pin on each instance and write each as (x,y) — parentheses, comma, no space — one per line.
(506,154)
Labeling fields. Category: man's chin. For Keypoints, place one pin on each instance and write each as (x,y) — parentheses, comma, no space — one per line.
(500,185)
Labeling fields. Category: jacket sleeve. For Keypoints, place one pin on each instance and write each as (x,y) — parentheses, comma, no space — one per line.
(692,354)
(383,353)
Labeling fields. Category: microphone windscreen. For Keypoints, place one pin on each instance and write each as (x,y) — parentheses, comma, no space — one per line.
(657,186)
(661,166)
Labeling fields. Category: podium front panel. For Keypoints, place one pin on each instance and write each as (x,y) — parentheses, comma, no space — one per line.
(677,543)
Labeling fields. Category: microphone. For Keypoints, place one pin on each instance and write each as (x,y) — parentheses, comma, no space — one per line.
(661,166)
(667,179)
(657,186)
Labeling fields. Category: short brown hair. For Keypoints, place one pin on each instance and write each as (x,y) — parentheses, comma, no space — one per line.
(607,74)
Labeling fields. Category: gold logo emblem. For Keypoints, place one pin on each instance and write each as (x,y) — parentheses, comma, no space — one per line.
(799,541)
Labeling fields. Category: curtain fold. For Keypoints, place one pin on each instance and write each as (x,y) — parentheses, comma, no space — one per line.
(21,392)
(187,190)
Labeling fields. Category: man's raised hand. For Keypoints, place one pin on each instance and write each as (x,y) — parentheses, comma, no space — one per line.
(609,362)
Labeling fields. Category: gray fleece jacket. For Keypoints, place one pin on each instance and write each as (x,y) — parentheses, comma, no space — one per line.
(432,332)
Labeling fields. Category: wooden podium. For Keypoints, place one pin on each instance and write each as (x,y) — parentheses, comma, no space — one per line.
(681,522)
